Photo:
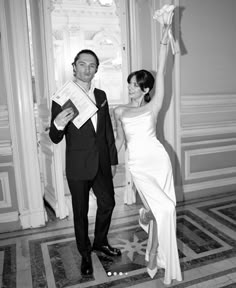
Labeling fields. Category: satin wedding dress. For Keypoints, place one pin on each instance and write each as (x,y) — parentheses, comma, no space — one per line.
(151,171)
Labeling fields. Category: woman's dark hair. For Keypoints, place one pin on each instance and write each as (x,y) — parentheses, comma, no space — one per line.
(145,80)
(86,51)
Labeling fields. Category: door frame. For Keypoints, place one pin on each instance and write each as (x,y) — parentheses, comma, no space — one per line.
(50,155)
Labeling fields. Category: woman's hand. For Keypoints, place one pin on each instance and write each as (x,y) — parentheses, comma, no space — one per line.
(113,170)
(165,14)
(165,34)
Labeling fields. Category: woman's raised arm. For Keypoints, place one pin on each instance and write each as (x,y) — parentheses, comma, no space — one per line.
(157,98)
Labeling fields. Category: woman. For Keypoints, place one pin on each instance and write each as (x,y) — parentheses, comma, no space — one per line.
(150,166)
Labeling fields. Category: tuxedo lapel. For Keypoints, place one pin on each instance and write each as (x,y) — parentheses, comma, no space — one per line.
(101,101)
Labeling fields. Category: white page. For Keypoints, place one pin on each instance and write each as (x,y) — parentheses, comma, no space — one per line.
(80,99)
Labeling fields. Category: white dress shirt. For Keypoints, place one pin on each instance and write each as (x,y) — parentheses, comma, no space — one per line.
(91,95)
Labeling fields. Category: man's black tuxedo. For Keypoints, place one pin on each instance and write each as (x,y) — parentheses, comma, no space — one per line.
(89,156)
(85,148)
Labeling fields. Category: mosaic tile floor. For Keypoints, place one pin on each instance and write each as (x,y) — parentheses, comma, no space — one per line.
(47,257)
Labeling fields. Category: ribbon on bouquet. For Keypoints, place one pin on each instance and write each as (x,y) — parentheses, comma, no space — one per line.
(172,42)
(164,16)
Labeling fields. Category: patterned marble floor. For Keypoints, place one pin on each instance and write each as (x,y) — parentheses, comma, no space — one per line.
(47,257)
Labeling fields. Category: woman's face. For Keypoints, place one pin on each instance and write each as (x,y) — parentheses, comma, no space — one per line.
(135,91)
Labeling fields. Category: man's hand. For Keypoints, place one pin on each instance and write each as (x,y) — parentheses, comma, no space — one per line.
(113,170)
(64,117)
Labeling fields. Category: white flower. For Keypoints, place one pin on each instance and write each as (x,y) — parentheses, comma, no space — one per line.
(165,14)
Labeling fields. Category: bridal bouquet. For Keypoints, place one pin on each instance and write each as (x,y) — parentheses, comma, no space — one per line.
(164,16)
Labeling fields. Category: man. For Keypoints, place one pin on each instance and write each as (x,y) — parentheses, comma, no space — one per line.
(91,159)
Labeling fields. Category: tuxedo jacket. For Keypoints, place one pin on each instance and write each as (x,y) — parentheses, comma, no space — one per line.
(87,150)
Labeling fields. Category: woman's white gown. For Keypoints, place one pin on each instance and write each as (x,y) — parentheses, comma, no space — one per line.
(151,170)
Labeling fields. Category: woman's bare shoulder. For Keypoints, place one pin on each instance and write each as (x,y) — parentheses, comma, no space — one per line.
(118,111)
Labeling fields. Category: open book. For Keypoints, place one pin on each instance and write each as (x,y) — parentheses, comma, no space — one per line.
(71,95)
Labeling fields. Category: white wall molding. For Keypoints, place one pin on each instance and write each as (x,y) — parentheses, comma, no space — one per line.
(176,84)
(202,118)
(190,154)
(5,148)
(207,130)
(4,120)
(208,114)
(49,154)
(17,70)
(206,101)
(135,47)
(212,142)
(31,219)
(9,217)
(204,185)
(6,193)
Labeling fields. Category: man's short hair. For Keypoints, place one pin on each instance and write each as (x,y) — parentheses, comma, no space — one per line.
(86,51)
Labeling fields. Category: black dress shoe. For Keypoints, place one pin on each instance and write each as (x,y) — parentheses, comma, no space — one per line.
(86,265)
(108,250)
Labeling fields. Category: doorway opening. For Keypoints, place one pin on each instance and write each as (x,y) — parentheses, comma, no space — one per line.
(102,27)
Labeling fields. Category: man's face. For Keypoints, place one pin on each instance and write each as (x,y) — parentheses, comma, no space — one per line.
(85,67)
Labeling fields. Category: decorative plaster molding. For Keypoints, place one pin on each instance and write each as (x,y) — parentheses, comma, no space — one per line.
(208,99)
(209,173)
(21,118)
(208,103)
(9,217)
(107,33)
(207,130)
(80,9)
(4,182)
(188,188)
(4,117)
(31,219)
(5,148)
(208,114)
(210,142)
(58,34)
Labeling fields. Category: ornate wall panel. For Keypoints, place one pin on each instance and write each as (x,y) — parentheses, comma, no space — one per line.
(18,146)
(8,200)
(207,97)
(5,196)
(208,143)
